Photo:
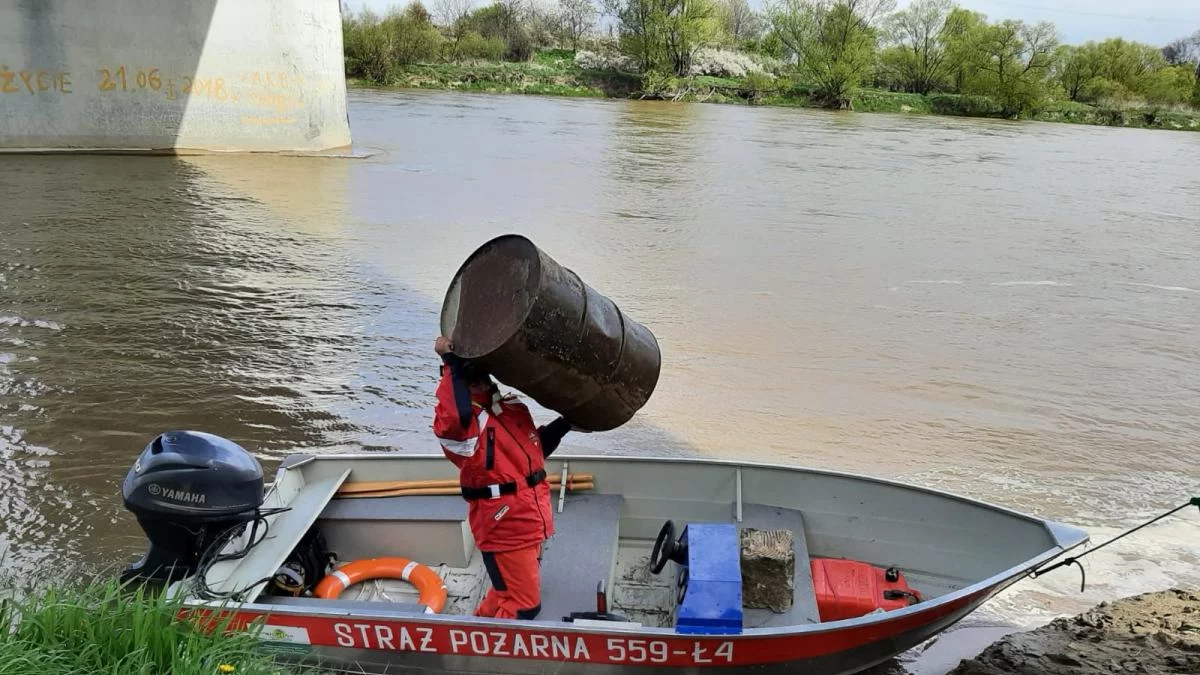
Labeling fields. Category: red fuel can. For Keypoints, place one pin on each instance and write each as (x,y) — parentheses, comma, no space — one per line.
(847,588)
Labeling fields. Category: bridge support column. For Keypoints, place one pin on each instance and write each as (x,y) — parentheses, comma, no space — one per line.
(181,76)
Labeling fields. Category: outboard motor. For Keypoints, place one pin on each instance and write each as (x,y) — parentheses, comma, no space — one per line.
(187,489)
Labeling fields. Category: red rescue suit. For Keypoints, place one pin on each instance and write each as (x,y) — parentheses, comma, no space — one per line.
(500,456)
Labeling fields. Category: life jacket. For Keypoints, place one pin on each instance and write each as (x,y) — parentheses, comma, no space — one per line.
(501,468)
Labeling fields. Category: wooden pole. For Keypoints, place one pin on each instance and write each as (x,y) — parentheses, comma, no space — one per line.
(447,490)
(380,485)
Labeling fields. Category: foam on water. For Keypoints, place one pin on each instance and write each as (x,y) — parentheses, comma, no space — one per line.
(1029,283)
(1160,557)
(16,321)
(1182,289)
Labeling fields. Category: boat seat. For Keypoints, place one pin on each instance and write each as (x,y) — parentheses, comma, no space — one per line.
(582,552)
(304,501)
(431,529)
(804,599)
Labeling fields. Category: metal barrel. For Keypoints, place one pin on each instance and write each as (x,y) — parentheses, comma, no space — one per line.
(537,327)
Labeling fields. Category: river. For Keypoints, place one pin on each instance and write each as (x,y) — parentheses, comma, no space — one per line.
(1009,311)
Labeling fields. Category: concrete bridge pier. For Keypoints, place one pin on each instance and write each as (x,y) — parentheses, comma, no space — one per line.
(184,76)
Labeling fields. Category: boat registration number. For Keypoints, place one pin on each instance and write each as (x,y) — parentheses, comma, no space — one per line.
(532,644)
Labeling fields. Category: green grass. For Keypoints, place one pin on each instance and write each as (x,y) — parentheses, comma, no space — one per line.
(1067,106)
(878,100)
(1139,118)
(514,78)
(99,628)
(554,57)
(711,81)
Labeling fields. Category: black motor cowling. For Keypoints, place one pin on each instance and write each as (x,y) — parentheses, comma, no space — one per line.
(187,489)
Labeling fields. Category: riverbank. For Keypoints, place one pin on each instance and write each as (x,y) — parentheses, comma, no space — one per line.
(1148,633)
(549,76)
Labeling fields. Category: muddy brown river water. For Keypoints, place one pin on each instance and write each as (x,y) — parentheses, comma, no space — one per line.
(1008,311)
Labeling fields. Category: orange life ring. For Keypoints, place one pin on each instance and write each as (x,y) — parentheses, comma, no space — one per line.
(430,585)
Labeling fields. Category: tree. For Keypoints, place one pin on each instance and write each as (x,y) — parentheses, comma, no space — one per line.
(961,32)
(920,33)
(416,38)
(741,23)
(1016,58)
(1117,70)
(1169,85)
(1178,52)
(834,42)
(503,20)
(1127,62)
(373,46)
(664,34)
(638,23)
(1184,50)
(450,13)
(542,21)
(1074,67)
(576,19)
(691,25)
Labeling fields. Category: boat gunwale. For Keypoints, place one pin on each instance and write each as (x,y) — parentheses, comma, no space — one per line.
(305,458)
(1055,529)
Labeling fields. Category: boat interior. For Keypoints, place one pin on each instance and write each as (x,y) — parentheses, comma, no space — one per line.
(605,533)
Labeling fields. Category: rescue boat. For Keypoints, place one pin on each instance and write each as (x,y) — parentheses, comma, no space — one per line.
(879,567)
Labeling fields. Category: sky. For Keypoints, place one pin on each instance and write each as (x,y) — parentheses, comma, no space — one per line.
(1153,21)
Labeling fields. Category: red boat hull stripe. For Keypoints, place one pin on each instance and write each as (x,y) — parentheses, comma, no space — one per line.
(539,642)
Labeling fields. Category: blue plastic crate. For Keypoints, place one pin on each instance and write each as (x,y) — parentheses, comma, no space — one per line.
(712,600)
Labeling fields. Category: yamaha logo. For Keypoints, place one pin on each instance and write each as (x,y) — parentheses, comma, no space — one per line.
(157,490)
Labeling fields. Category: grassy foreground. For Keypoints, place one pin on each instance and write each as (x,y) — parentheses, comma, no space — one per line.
(101,628)
(552,75)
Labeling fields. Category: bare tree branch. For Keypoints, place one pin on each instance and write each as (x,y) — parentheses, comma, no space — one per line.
(576,19)
(449,12)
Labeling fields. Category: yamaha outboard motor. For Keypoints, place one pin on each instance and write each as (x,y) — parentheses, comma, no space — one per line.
(187,489)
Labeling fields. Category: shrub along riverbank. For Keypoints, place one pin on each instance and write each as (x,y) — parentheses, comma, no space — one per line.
(931,57)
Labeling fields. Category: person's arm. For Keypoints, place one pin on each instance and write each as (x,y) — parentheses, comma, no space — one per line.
(454,425)
(452,369)
(552,434)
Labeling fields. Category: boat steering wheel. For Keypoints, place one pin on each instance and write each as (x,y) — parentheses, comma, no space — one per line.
(666,547)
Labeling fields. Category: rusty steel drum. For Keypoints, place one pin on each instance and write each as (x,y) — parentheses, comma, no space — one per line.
(538,328)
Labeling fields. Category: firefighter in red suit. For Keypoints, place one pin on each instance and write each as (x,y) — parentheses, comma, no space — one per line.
(500,454)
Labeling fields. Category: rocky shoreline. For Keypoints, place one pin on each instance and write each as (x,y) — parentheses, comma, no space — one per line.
(1149,633)
(1154,633)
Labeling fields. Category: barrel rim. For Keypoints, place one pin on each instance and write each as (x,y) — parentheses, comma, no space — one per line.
(480,250)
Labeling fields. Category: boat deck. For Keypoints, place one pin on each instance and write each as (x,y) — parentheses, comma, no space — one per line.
(943,544)
(587,548)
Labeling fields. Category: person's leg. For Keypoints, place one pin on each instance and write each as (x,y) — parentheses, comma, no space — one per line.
(491,600)
(516,591)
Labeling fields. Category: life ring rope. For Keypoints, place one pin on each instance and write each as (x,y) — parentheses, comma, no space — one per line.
(430,586)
